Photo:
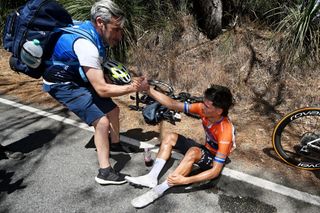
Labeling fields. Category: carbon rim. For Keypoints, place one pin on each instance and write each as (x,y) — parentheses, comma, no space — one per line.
(291,131)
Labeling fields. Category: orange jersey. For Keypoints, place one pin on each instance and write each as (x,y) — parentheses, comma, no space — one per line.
(220,137)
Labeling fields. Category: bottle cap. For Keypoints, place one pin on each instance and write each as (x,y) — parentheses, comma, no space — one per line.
(36,42)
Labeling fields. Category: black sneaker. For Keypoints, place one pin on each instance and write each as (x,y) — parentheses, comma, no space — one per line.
(11,154)
(109,176)
(118,147)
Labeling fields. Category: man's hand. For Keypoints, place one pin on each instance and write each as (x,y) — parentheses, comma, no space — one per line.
(136,83)
(176,179)
(140,84)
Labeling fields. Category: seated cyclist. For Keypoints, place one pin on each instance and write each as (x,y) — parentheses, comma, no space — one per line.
(210,157)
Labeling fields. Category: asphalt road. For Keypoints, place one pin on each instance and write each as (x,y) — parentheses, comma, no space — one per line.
(57,175)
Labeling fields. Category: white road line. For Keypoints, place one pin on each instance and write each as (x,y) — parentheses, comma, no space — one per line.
(69,121)
(303,196)
(293,193)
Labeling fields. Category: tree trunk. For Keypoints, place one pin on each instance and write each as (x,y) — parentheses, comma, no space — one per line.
(209,16)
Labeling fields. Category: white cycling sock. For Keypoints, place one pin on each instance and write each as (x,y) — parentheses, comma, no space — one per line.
(156,169)
(161,188)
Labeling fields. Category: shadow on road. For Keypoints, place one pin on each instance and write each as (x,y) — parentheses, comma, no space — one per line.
(33,141)
(121,160)
(271,153)
(6,184)
(138,134)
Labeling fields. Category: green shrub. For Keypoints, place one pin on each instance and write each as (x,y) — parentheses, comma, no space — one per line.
(256,10)
(300,33)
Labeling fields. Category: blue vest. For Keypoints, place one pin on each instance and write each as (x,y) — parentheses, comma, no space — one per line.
(65,62)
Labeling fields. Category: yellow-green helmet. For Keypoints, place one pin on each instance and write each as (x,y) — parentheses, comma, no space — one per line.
(116,72)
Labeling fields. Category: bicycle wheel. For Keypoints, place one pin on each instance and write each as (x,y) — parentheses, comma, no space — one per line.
(296,138)
(162,87)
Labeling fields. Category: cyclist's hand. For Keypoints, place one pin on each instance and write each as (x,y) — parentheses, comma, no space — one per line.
(176,179)
(144,84)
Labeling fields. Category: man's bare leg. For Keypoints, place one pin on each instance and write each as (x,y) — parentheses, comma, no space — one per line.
(106,174)
(113,117)
(101,140)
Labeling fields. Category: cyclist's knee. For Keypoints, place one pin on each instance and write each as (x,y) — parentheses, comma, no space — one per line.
(193,154)
(170,139)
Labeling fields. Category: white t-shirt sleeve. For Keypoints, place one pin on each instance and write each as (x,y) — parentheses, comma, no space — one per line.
(87,53)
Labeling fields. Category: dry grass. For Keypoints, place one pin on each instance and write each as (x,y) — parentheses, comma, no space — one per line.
(24,88)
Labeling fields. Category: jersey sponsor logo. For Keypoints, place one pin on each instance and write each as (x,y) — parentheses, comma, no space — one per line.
(225,142)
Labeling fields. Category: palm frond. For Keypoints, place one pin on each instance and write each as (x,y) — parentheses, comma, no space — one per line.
(79,9)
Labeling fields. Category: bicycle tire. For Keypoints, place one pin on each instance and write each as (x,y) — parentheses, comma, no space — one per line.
(288,130)
(162,87)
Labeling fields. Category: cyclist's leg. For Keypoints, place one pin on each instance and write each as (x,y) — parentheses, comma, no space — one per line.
(181,143)
(166,146)
(193,155)
(184,168)
(151,179)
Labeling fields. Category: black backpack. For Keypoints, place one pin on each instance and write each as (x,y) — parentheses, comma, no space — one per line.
(154,113)
(43,20)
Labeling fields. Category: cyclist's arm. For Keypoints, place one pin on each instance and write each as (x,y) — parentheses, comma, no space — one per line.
(179,179)
(166,100)
(206,175)
(224,144)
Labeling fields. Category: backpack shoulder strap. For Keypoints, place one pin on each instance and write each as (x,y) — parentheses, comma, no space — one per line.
(80,32)
(73,30)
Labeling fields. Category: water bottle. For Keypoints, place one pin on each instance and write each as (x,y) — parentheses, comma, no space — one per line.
(147,157)
(31,53)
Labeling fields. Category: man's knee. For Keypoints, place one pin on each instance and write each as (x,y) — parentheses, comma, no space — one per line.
(102,123)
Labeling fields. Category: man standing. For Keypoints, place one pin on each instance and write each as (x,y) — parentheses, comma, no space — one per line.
(80,84)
